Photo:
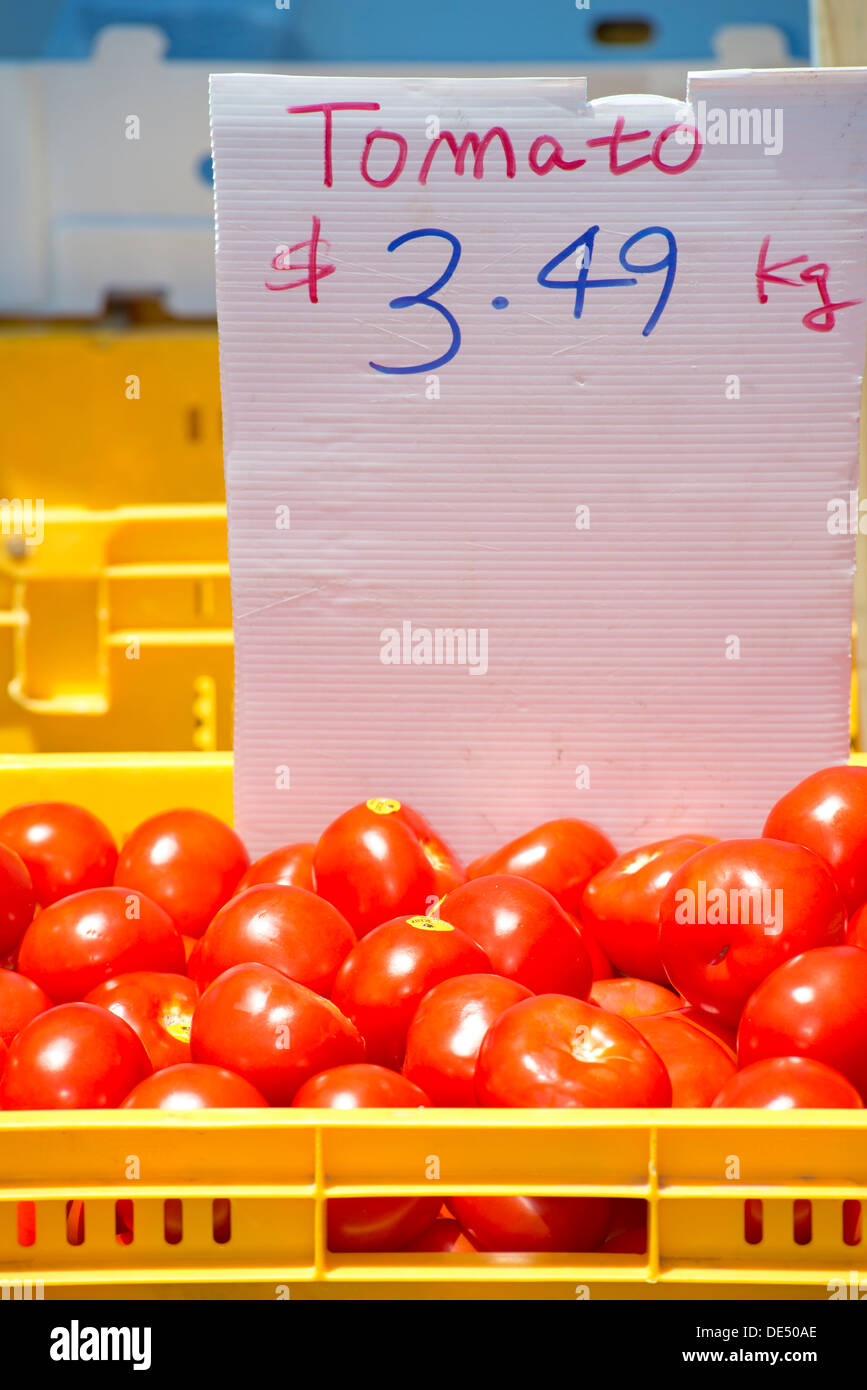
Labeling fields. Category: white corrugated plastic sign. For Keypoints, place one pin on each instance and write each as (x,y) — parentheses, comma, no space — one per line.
(541,422)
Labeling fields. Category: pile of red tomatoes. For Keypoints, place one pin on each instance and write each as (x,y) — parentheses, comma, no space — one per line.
(372,968)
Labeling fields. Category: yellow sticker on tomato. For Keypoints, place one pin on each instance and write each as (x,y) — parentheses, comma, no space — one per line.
(179,1025)
(429,924)
(383,805)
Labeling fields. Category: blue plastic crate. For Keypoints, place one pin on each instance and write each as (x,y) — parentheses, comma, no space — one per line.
(393,31)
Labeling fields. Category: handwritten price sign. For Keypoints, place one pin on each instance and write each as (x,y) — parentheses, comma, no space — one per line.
(552,393)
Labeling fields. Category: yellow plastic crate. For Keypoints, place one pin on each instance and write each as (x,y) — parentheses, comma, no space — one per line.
(115,622)
(695,1169)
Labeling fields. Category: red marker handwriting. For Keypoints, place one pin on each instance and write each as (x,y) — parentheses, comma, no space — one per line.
(328,108)
(469,149)
(313,271)
(820,319)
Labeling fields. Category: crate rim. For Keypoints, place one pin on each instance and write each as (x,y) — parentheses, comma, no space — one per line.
(434,1117)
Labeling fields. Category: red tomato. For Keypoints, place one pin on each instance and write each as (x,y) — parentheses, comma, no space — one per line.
(275,924)
(738,908)
(289,864)
(158,1005)
(4,1051)
(621,903)
(375,1224)
(813,1006)
(627,1214)
(20,1000)
(788,1083)
(449,873)
(599,962)
(193,1086)
(560,856)
(539,1224)
(382,981)
(708,1023)
(696,1063)
(524,932)
(558,1051)
(827,812)
(188,862)
(369,1223)
(633,998)
(445,1236)
(447,1030)
(371,863)
(856,931)
(270,1030)
(17,900)
(360,1086)
(78,942)
(631,1242)
(74,1057)
(65,848)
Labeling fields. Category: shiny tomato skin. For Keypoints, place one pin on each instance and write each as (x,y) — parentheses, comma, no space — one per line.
(376,1224)
(524,932)
(371,865)
(73,1057)
(827,813)
(812,1006)
(621,903)
(697,1065)
(633,998)
(709,1023)
(17,899)
(275,1033)
(276,924)
(560,856)
(537,1224)
(64,847)
(448,1029)
(76,943)
(188,862)
(359,1086)
(369,1223)
(445,1236)
(449,872)
(788,1083)
(856,928)
(158,1005)
(599,962)
(291,864)
(383,979)
(193,1086)
(717,965)
(557,1051)
(20,1000)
